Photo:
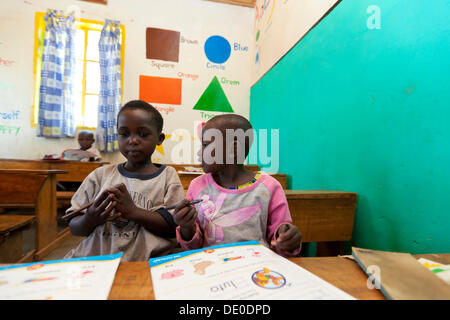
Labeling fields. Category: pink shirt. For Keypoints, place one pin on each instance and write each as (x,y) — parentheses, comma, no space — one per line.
(234,215)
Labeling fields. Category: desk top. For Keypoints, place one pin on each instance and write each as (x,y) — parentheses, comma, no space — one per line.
(33,171)
(48,161)
(74,171)
(133,280)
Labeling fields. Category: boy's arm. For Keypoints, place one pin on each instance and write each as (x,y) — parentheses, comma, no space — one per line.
(151,220)
(98,213)
(160,221)
(85,194)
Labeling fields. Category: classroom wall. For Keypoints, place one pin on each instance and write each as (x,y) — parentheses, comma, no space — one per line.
(362,106)
(278,26)
(196,20)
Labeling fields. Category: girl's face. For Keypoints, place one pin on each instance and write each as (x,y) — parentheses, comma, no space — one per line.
(212,151)
(137,135)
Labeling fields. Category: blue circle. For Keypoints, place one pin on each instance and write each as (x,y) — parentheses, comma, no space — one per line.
(217,49)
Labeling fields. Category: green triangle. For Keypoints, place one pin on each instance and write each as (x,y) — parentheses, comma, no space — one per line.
(214,99)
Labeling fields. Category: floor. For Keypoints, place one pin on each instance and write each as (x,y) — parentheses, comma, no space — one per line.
(60,252)
(29,237)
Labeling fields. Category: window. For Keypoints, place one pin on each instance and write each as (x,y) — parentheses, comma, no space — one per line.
(87,76)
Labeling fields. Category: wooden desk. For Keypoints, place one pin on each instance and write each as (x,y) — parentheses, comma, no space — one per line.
(22,188)
(323,216)
(75,171)
(133,280)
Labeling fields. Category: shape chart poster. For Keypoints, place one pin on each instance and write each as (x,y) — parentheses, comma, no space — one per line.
(87,278)
(237,271)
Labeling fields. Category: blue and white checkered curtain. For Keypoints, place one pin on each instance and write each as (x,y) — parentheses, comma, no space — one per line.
(110,86)
(56,104)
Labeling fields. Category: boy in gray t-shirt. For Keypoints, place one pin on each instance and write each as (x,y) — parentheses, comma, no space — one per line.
(127,214)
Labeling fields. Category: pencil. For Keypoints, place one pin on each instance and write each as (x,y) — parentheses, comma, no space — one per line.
(191,202)
(73,213)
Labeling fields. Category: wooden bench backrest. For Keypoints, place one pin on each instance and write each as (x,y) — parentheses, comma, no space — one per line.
(322,215)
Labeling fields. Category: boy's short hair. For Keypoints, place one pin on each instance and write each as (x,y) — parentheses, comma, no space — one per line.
(142,105)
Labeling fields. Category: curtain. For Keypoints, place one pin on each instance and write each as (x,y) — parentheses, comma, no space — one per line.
(110,86)
(56,104)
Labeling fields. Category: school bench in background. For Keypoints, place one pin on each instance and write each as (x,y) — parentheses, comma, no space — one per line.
(24,188)
(323,216)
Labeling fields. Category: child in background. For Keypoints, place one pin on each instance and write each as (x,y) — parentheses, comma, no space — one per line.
(238,205)
(128,212)
(86,141)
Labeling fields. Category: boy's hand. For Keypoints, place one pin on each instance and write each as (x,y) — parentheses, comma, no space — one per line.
(100,211)
(123,201)
(287,238)
(185,215)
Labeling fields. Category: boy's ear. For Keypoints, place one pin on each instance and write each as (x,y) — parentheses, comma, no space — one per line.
(162,136)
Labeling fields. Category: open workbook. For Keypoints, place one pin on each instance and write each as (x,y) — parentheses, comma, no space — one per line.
(244,270)
(87,278)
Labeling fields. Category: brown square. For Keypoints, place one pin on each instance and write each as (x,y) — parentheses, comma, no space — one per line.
(162,44)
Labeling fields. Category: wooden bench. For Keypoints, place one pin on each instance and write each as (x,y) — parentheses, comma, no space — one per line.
(323,216)
(11,244)
(22,188)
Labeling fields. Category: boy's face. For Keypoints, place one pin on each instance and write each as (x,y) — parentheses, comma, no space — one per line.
(137,135)
(85,141)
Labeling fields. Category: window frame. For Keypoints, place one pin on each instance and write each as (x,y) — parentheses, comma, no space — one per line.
(81,24)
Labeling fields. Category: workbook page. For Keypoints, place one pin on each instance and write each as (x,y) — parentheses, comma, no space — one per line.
(87,278)
(244,270)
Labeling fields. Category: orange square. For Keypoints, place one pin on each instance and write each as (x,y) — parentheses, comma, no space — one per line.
(160,90)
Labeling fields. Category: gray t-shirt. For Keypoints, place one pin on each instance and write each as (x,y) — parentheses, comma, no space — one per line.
(149,192)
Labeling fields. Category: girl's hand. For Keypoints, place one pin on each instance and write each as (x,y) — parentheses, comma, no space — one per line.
(185,215)
(287,238)
(100,211)
(123,202)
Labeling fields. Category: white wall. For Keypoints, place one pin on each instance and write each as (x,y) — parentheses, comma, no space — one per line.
(279,25)
(195,19)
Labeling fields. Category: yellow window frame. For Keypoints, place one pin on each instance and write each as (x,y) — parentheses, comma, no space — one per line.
(81,24)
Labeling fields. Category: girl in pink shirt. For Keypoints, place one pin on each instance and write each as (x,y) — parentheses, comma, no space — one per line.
(237,204)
